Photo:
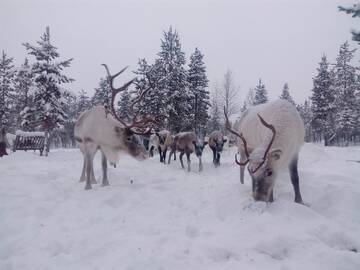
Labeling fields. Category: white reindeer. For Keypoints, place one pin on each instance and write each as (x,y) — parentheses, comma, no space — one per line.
(271,136)
(98,129)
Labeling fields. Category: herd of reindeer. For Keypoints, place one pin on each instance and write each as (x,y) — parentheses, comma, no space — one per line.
(265,146)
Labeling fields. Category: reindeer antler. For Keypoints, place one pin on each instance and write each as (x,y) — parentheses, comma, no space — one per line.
(272,128)
(228,127)
(146,120)
(141,124)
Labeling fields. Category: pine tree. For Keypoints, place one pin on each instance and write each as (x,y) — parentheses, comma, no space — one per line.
(83,102)
(7,93)
(124,106)
(71,108)
(260,94)
(285,94)
(49,96)
(154,102)
(198,83)
(323,107)
(345,88)
(307,116)
(24,86)
(172,81)
(102,95)
(355,11)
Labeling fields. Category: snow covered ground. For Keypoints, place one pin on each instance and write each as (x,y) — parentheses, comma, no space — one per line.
(156,216)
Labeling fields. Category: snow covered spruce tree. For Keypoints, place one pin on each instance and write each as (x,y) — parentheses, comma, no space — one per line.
(355,12)
(323,98)
(172,84)
(48,76)
(198,83)
(24,86)
(285,94)
(124,105)
(345,83)
(102,95)
(66,135)
(154,102)
(260,95)
(7,93)
(83,102)
(307,116)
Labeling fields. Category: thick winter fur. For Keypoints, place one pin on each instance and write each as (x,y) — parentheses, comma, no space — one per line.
(188,143)
(216,143)
(164,141)
(284,151)
(94,130)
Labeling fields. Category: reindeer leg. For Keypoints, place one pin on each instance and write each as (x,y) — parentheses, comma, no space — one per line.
(200,165)
(217,159)
(90,151)
(214,155)
(83,172)
(181,161)
(188,160)
(160,154)
(83,175)
(105,181)
(271,197)
(151,151)
(295,180)
(164,158)
(242,169)
(171,152)
(88,170)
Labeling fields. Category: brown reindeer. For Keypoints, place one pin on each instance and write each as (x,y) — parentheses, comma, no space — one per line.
(188,143)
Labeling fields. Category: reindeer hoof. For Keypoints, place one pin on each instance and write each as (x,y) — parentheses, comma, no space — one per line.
(104,184)
(87,187)
(82,180)
(93,181)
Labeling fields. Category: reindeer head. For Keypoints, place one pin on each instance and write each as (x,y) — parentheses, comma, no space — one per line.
(127,132)
(261,170)
(261,163)
(199,146)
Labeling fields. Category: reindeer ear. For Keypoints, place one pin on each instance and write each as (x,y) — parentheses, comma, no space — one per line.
(224,140)
(275,154)
(205,143)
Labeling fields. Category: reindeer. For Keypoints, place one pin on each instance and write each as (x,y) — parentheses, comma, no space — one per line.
(153,143)
(187,143)
(164,141)
(3,143)
(269,146)
(101,129)
(216,144)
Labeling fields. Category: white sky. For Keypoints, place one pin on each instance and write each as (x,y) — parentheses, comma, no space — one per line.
(277,40)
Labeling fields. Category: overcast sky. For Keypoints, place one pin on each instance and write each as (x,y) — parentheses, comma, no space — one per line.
(276,40)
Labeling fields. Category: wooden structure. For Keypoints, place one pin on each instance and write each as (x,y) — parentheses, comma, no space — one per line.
(31,141)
